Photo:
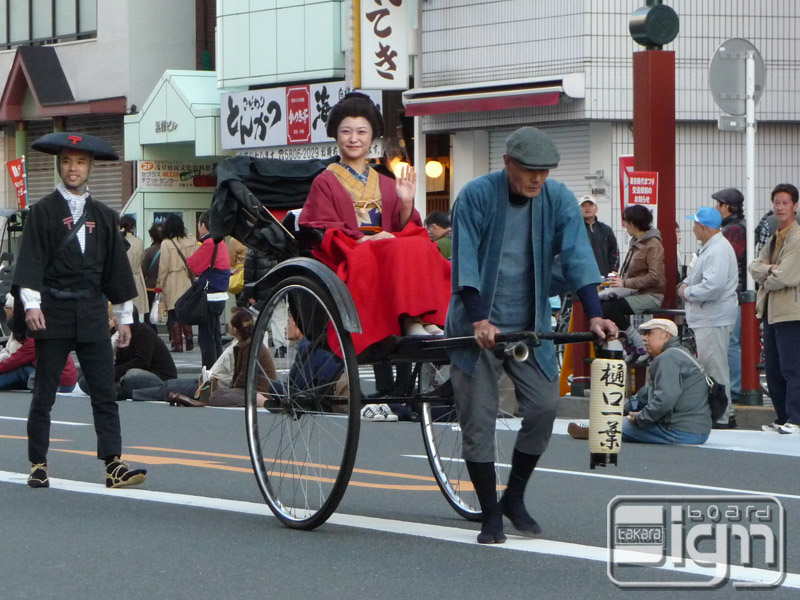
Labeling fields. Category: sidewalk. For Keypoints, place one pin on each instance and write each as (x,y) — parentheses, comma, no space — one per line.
(747,417)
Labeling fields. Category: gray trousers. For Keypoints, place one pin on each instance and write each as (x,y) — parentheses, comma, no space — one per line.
(712,353)
(477,401)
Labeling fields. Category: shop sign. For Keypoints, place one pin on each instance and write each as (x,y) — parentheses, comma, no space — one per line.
(644,190)
(166,174)
(281,116)
(307,151)
(383,49)
(16,170)
(298,128)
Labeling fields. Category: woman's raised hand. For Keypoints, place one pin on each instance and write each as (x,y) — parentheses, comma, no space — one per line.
(406,185)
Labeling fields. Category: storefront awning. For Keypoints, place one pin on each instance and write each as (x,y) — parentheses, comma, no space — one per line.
(179,119)
(37,87)
(501,95)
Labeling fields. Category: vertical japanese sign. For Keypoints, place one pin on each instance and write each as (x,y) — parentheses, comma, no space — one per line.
(16,170)
(383,51)
(298,127)
(644,190)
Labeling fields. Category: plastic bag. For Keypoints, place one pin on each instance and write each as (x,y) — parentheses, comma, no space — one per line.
(155,309)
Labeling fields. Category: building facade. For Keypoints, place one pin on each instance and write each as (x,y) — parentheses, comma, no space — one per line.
(566,67)
(82,65)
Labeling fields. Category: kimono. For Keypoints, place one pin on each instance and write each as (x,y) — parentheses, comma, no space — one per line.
(479,218)
(101,274)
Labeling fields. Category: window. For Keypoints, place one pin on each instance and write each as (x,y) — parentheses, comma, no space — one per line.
(28,22)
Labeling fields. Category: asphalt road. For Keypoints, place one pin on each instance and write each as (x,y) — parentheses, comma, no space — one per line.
(199,528)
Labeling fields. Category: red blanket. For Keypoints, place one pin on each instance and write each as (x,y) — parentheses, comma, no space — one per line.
(388,278)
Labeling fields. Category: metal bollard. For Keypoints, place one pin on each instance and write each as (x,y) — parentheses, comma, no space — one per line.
(751,387)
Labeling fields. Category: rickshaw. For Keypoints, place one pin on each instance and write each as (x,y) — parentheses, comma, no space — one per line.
(303,433)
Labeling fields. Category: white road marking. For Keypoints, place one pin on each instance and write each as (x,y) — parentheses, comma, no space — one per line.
(695,486)
(424,530)
(52,422)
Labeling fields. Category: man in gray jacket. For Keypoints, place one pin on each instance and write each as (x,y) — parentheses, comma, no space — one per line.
(672,407)
(709,293)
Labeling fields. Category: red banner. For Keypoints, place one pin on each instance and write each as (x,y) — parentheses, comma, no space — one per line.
(16,170)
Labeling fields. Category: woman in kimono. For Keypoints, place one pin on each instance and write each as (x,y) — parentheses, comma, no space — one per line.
(357,206)
(375,241)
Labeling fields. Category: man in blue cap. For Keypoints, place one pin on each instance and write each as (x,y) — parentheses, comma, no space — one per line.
(508,227)
(71,264)
(709,293)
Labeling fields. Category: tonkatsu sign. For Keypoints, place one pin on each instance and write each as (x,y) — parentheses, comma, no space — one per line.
(282,116)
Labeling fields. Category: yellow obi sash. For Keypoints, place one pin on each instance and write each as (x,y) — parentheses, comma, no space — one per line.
(366,197)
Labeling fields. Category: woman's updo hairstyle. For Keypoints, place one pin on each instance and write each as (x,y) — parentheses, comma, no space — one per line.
(355,104)
(242,319)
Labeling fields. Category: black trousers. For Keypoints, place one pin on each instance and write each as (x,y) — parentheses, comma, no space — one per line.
(619,311)
(209,337)
(97,363)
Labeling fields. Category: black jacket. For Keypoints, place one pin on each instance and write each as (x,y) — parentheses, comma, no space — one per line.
(146,351)
(102,271)
(604,244)
(256,265)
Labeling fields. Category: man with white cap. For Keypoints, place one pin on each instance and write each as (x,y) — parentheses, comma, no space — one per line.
(604,242)
(709,293)
(672,407)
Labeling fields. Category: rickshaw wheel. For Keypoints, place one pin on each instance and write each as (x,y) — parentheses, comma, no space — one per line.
(303,433)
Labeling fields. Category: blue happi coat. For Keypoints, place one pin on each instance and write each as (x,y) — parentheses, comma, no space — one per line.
(479,218)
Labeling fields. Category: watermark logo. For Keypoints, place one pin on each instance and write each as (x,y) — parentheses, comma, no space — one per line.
(696,542)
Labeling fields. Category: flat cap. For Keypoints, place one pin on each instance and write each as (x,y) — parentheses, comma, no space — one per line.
(532,148)
(663,324)
(53,143)
(729,196)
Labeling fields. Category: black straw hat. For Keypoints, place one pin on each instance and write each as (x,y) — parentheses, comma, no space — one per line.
(53,143)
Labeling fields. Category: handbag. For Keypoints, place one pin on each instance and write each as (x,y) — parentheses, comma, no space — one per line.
(192,307)
(237,282)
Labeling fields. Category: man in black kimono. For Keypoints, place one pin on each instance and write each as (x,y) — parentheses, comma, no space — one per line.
(72,262)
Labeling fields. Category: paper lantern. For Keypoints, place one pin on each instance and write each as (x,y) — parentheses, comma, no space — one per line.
(606,404)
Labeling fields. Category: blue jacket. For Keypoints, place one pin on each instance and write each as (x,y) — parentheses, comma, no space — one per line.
(479,217)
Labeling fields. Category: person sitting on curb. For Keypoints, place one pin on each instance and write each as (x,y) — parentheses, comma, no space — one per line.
(672,407)
(143,363)
(438,225)
(18,358)
(210,380)
(241,327)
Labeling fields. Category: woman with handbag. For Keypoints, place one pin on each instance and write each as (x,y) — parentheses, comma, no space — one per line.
(212,265)
(150,261)
(174,277)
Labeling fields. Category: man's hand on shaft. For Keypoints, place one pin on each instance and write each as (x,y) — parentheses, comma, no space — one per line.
(603,328)
(484,333)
